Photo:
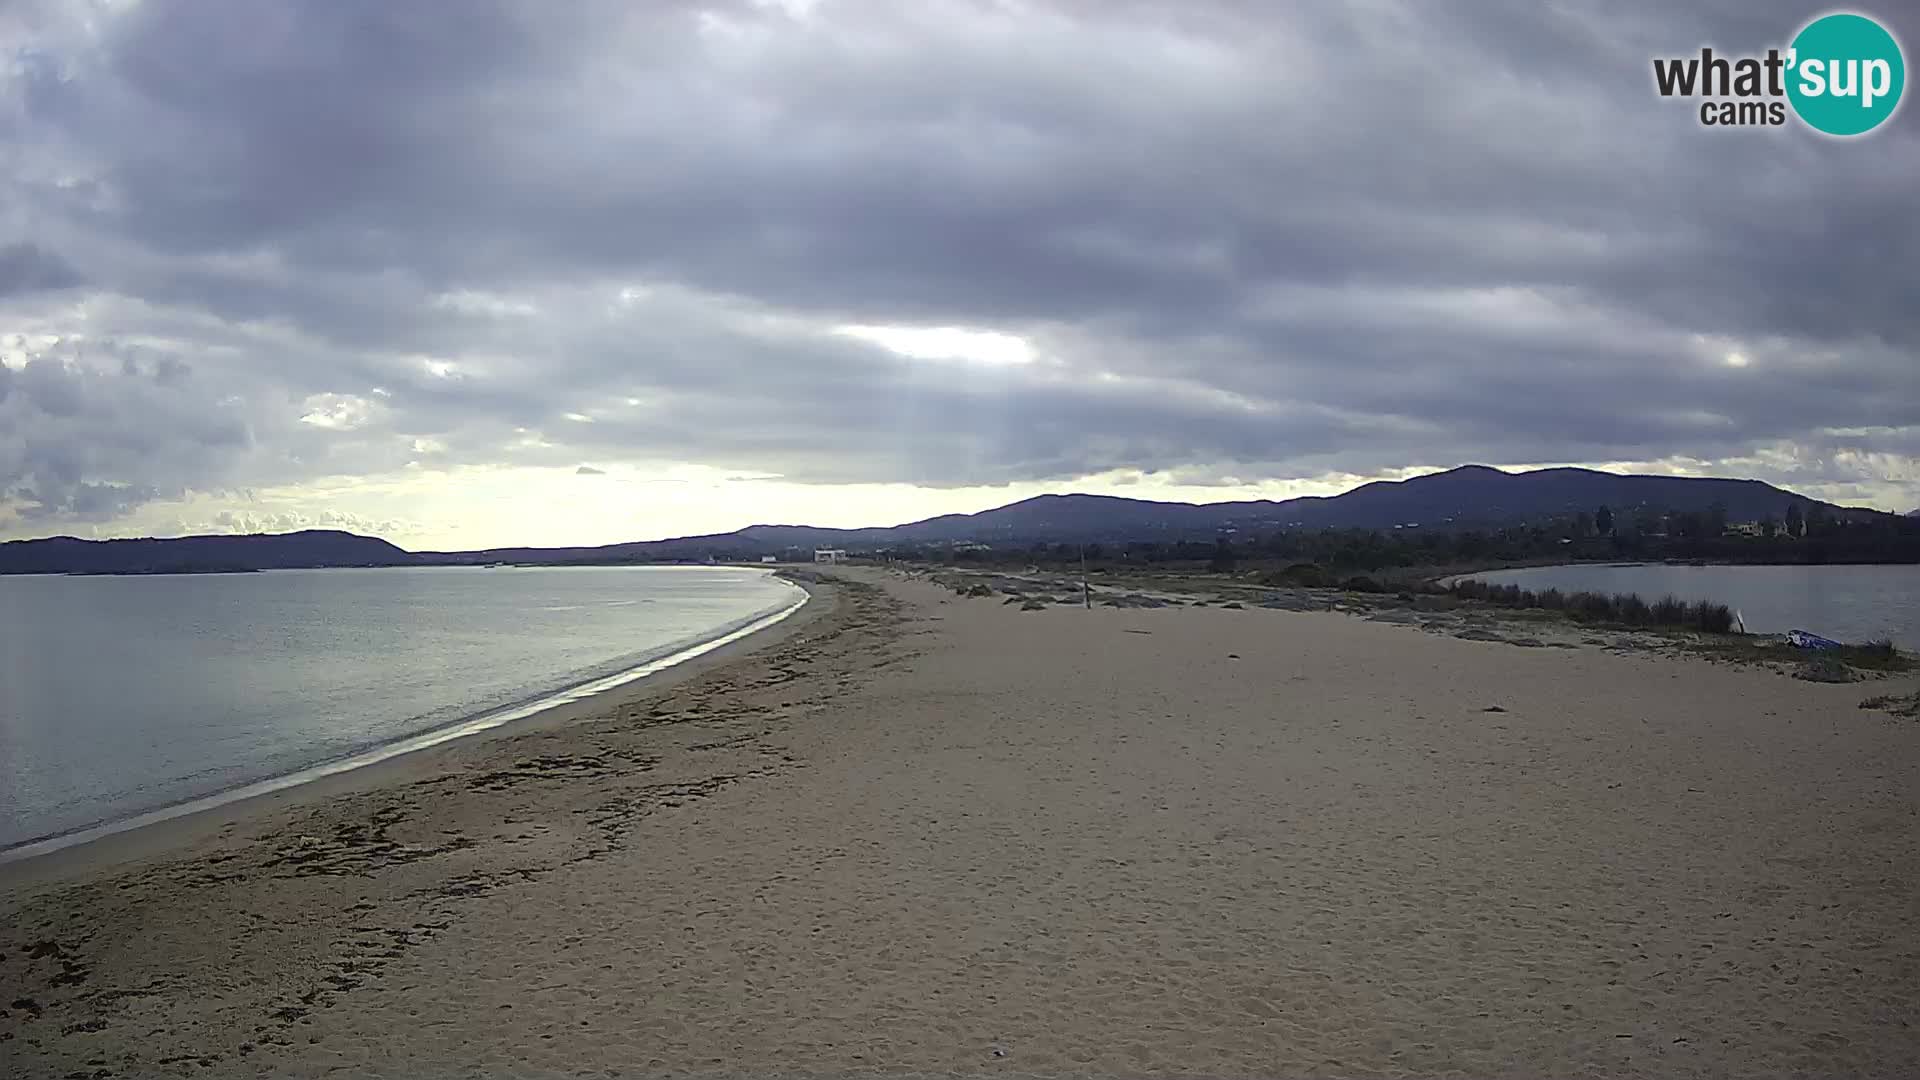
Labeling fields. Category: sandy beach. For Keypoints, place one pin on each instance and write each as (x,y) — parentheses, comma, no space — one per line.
(913,832)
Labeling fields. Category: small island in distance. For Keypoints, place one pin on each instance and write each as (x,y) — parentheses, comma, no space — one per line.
(168,568)
(1471,514)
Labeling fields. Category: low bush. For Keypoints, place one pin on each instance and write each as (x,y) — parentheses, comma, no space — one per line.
(1593,605)
(1826,669)
(1300,575)
(1878,650)
(1908,706)
(1635,610)
(1713,618)
(1603,607)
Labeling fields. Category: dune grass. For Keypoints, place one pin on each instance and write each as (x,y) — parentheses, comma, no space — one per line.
(1907,706)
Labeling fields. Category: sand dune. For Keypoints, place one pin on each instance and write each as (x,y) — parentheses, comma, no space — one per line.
(932,834)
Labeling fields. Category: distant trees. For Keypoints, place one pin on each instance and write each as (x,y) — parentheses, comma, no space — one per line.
(1687,525)
(1603,520)
(1698,525)
(1583,524)
(1688,535)
(1817,520)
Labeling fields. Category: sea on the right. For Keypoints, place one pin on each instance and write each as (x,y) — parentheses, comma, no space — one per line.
(1846,603)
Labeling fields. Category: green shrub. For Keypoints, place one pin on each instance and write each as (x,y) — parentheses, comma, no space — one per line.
(1635,610)
(1879,655)
(1879,650)
(1593,605)
(1825,669)
(1713,618)
(1908,706)
(1300,575)
(1615,608)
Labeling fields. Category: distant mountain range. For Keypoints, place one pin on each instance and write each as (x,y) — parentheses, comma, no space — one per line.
(198,554)
(1469,496)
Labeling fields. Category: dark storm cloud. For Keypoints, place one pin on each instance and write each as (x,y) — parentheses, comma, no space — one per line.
(1264,241)
(27,268)
(81,501)
(63,425)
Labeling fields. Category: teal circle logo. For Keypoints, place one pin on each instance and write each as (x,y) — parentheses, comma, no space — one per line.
(1845,74)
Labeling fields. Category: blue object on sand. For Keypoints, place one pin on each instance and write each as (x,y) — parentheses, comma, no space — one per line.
(1803,640)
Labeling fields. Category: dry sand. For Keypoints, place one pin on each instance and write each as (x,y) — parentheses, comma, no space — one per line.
(923,833)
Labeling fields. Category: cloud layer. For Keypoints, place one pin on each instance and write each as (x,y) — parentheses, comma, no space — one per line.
(249,246)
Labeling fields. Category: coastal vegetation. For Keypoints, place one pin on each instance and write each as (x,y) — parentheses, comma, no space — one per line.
(1906,706)
(1624,608)
(1603,535)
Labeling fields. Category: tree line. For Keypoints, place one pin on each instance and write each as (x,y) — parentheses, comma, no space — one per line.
(1813,536)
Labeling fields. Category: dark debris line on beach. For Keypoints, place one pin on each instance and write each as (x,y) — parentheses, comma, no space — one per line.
(56,999)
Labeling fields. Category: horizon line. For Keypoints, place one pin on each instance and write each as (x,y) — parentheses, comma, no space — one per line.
(916,521)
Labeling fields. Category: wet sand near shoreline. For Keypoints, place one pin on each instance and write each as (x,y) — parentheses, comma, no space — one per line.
(932,834)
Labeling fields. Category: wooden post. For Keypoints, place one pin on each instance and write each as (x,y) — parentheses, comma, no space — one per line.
(1086,590)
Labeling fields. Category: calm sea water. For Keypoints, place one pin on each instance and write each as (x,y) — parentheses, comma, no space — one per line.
(123,695)
(1846,603)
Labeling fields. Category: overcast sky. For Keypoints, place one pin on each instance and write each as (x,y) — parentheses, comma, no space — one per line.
(480,273)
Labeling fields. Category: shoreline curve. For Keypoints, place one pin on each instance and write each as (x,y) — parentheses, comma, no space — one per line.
(480,723)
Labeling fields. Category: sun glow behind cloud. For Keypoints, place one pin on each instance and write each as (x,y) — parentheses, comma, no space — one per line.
(946,343)
(462,507)
(337,412)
